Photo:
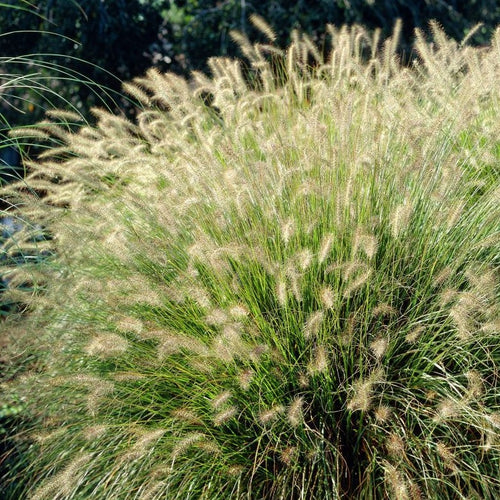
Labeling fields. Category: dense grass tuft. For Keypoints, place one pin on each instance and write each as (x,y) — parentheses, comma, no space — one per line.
(278,286)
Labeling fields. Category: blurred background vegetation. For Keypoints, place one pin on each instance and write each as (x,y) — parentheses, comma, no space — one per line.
(79,51)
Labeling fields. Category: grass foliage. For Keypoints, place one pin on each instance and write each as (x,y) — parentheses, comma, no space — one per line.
(279,282)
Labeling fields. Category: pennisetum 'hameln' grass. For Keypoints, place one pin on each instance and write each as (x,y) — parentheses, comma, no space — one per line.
(279,289)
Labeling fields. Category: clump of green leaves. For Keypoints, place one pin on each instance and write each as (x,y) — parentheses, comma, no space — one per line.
(289,288)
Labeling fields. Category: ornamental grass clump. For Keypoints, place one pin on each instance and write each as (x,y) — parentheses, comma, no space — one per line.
(279,282)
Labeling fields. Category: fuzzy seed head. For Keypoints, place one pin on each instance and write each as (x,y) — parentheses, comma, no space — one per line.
(491,327)
(152,490)
(447,408)
(447,455)
(494,420)
(62,483)
(357,283)
(296,287)
(137,92)
(229,344)
(447,296)
(415,491)
(263,27)
(245,379)
(173,343)
(64,115)
(350,326)
(294,278)
(295,412)
(257,352)
(304,259)
(350,269)
(319,361)
(187,416)
(107,345)
(224,416)
(470,301)
(287,230)
(26,132)
(200,296)
(395,445)
(209,447)
(184,444)
(483,281)
(81,379)
(382,414)
(99,391)
(327,297)
(454,214)
(143,444)
(492,435)
(379,347)
(384,310)
(47,436)
(235,470)
(129,324)
(363,391)
(396,482)
(475,387)
(238,311)
(459,314)
(442,276)
(367,243)
(313,324)
(128,376)
(361,401)
(414,334)
(268,416)
(94,432)
(281,293)
(304,380)
(170,345)
(288,455)
(221,399)
(400,218)
(217,317)
(325,248)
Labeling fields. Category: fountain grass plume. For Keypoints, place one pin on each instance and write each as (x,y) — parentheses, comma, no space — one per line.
(283,285)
